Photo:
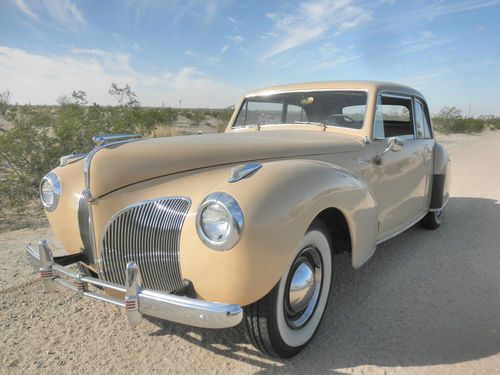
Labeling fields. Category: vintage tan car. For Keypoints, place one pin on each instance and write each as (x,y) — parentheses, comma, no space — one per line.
(210,230)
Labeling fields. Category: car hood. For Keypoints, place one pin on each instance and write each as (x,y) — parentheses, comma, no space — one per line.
(116,166)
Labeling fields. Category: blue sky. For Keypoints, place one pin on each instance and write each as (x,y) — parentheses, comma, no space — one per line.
(207,53)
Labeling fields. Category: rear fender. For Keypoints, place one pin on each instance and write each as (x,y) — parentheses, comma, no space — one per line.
(441,178)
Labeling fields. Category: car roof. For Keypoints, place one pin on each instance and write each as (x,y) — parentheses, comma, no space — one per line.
(375,86)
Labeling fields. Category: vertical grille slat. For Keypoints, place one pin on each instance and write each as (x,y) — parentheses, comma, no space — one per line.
(147,233)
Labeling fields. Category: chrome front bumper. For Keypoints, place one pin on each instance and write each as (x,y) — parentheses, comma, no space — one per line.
(137,301)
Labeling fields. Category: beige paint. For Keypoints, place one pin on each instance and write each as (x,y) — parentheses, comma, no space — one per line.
(63,219)
(306,169)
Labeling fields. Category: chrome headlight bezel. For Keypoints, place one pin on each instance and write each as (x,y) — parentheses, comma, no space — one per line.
(55,185)
(234,212)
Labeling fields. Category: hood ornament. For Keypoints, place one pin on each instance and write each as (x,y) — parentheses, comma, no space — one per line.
(100,140)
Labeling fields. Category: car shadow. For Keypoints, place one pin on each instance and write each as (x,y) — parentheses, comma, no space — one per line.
(425,298)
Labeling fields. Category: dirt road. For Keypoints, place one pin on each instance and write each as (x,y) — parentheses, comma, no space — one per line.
(427,302)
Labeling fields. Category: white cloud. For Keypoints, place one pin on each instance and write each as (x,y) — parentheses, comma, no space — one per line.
(311,20)
(24,8)
(235,38)
(52,13)
(40,79)
(204,10)
(326,56)
(65,13)
(424,41)
(192,54)
(428,12)
(234,21)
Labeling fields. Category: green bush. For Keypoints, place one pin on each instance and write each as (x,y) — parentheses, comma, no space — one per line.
(27,152)
(450,120)
(4,101)
(38,136)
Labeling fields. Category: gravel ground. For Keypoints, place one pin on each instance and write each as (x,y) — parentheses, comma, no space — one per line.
(428,302)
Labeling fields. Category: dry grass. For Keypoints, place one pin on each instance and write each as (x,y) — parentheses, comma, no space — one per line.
(163,130)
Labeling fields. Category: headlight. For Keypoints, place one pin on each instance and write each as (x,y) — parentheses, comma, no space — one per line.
(50,191)
(219,221)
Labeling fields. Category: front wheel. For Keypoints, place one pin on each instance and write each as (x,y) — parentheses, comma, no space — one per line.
(285,320)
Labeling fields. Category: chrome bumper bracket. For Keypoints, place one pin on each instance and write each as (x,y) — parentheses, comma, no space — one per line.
(138,302)
(133,284)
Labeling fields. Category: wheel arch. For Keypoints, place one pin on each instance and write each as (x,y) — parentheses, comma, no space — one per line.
(337,227)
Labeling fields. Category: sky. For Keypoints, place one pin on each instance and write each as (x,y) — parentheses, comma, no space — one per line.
(207,53)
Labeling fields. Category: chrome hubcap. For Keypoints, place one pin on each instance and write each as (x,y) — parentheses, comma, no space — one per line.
(303,287)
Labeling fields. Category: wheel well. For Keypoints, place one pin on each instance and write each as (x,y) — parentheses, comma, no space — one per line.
(337,228)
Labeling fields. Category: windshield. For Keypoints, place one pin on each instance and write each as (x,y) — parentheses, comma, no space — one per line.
(330,108)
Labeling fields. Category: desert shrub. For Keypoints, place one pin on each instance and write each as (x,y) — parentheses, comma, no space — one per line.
(38,136)
(468,125)
(194,115)
(27,152)
(492,122)
(451,120)
(4,101)
(223,116)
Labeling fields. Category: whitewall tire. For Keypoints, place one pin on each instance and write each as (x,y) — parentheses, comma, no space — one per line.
(284,321)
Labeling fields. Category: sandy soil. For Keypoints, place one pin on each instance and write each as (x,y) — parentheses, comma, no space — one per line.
(428,302)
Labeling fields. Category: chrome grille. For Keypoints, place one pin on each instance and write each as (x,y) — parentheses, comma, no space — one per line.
(147,233)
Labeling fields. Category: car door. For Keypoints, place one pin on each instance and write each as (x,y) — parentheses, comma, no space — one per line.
(424,136)
(400,175)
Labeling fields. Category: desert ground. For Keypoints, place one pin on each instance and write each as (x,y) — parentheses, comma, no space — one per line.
(428,302)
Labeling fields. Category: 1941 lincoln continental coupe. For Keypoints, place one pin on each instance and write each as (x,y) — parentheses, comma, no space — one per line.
(209,230)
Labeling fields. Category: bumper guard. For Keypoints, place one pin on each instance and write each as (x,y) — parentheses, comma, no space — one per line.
(137,301)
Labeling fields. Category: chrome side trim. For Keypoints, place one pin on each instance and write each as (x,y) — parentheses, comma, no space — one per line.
(412,223)
(241,171)
(88,161)
(137,301)
(87,194)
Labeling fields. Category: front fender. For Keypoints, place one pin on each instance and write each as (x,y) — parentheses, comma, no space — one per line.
(279,203)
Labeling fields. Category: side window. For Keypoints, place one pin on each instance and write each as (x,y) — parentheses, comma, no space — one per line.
(422,124)
(295,113)
(393,118)
(355,112)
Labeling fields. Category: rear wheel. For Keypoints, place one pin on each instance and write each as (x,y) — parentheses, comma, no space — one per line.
(285,320)
(433,219)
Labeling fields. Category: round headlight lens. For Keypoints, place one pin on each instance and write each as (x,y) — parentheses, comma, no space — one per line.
(50,191)
(219,221)
(215,222)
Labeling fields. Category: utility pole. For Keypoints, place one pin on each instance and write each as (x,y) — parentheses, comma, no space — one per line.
(470,107)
